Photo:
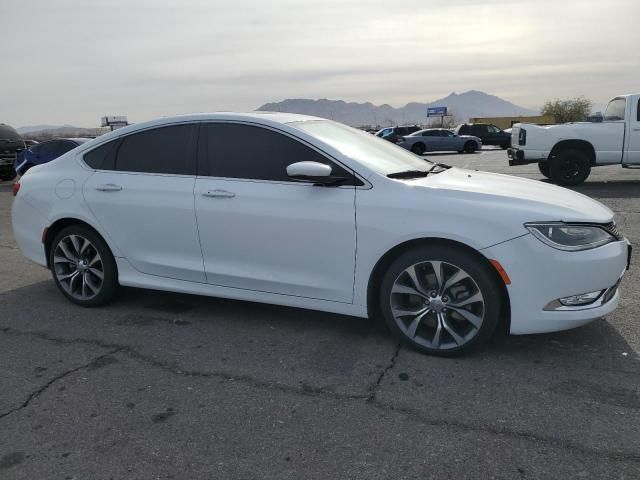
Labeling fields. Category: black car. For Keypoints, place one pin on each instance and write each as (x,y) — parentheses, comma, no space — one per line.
(11,144)
(488,133)
(395,134)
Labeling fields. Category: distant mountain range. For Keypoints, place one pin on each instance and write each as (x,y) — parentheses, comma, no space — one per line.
(463,106)
(43,132)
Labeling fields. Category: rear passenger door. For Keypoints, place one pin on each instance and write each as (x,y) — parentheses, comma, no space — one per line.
(632,155)
(262,231)
(142,196)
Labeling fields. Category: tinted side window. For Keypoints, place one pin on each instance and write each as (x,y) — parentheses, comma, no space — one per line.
(464,130)
(429,133)
(250,152)
(160,150)
(103,157)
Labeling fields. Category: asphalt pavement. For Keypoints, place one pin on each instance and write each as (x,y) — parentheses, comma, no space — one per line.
(171,386)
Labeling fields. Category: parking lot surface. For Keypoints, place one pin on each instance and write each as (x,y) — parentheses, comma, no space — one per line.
(160,385)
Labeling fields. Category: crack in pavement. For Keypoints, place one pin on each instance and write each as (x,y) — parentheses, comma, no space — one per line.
(373,389)
(35,394)
(306,390)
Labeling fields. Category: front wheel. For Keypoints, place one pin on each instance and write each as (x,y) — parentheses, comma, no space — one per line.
(83,267)
(441,299)
(569,167)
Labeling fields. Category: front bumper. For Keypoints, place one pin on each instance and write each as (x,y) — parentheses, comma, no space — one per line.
(541,274)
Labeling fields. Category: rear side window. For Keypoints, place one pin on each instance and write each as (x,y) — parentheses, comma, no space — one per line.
(464,130)
(249,152)
(103,157)
(166,150)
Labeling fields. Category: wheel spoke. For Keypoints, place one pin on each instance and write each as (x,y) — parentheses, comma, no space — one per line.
(401,312)
(66,252)
(97,273)
(435,341)
(59,259)
(85,244)
(67,276)
(93,288)
(96,258)
(437,270)
(75,243)
(404,289)
(72,278)
(84,286)
(413,327)
(474,320)
(411,271)
(456,338)
(455,278)
(477,297)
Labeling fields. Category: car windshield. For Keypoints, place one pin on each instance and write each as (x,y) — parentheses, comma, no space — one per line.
(379,155)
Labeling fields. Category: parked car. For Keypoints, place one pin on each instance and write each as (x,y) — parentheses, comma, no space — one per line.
(566,153)
(438,140)
(442,254)
(395,134)
(11,144)
(45,152)
(488,133)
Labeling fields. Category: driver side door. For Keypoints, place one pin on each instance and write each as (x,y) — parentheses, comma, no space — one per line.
(261,231)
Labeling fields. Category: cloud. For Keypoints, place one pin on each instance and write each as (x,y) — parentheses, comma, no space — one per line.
(73,61)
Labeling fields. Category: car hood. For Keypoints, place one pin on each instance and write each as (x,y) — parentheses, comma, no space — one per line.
(527,200)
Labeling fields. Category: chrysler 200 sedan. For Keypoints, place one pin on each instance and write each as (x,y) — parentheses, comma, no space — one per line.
(306,212)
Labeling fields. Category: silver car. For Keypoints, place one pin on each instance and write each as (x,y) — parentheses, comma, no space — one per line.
(439,140)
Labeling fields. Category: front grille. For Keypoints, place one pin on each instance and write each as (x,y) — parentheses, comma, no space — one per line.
(612,228)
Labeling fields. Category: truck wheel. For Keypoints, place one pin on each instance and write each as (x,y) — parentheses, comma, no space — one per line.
(570,167)
(544,169)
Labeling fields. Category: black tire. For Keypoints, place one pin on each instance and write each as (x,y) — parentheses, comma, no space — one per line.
(504,146)
(569,167)
(470,147)
(544,169)
(108,285)
(418,148)
(480,278)
(8,175)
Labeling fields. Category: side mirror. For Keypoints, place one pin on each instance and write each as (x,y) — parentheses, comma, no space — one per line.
(312,172)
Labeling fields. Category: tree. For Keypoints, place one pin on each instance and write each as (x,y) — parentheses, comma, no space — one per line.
(572,110)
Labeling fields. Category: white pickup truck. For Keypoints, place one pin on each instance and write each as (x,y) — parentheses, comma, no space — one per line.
(566,153)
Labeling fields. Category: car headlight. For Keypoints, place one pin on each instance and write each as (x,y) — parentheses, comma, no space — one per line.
(572,237)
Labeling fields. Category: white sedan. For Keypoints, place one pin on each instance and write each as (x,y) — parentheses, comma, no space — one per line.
(306,212)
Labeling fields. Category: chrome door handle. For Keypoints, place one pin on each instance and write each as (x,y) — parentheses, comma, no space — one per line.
(109,187)
(219,194)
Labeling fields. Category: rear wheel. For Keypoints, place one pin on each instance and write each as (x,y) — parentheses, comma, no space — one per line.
(83,267)
(442,300)
(544,169)
(470,147)
(418,148)
(569,167)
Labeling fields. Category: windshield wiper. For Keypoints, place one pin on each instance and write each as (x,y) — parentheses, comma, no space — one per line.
(419,173)
(409,174)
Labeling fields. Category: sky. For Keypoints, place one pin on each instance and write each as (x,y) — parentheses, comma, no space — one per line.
(73,61)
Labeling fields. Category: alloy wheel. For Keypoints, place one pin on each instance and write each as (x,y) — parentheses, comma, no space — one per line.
(78,267)
(437,305)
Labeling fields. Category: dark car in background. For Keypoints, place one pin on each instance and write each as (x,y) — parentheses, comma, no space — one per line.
(488,133)
(45,152)
(11,145)
(395,134)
